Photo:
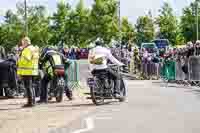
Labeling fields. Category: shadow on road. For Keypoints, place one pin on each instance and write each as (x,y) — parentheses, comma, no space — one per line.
(10,109)
(88,104)
(76,105)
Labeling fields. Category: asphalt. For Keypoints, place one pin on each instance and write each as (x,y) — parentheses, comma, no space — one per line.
(151,107)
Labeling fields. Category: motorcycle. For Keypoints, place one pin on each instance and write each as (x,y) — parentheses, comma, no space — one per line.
(102,87)
(57,84)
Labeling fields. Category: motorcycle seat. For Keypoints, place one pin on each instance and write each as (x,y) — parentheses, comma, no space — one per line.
(59,67)
(100,74)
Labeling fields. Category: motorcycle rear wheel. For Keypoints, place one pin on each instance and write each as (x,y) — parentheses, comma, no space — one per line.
(122,91)
(97,99)
(59,96)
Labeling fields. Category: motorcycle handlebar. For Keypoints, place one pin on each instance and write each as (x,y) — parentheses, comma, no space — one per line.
(116,67)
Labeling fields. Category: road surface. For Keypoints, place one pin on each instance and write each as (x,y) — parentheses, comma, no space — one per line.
(150,108)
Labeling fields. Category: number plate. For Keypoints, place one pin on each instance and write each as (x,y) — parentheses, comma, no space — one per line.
(61,82)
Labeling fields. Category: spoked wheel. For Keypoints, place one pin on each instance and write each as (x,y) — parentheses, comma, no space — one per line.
(97,96)
(59,96)
(10,93)
(122,91)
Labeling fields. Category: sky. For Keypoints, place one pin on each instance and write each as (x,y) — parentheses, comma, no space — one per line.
(129,8)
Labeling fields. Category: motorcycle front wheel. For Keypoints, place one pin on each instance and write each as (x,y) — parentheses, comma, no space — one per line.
(122,91)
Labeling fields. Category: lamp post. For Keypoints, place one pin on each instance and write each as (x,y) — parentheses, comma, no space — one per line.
(119,25)
(197,19)
(25,18)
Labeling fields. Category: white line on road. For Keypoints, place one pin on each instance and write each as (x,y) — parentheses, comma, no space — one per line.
(89,126)
(103,118)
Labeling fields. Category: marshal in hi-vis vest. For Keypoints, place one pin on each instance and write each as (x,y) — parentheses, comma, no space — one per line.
(28,61)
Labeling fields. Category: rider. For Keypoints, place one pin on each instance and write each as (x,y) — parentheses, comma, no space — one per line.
(47,63)
(98,57)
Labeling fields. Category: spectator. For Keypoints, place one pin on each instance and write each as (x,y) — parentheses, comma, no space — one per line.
(72,54)
(66,52)
(78,53)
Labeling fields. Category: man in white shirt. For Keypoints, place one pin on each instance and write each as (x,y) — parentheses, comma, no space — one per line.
(98,58)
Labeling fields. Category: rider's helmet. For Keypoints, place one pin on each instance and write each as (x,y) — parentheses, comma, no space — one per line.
(99,42)
(46,49)
(189,45)
(197,42)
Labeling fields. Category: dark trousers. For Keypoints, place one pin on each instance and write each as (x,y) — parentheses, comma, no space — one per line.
(30,91)
(44,88)
(113,75)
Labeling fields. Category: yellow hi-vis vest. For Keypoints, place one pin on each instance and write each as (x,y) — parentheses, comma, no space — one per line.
(27,64)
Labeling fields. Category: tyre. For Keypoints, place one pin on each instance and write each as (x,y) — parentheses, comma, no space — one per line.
(9,93)
(60,90)
(59,96)
(96,92)
(122,91)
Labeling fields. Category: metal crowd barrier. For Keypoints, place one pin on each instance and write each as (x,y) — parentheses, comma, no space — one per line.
(150,69)
(180,75)
(168,70)
(173,70)
(194,68)
(72,74)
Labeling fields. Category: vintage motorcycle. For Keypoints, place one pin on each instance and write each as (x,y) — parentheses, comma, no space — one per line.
(102,87)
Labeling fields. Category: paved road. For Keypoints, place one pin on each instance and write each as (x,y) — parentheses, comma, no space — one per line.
(150,108)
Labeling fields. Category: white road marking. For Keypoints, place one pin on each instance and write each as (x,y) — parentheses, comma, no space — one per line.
(103,118)
(89,126)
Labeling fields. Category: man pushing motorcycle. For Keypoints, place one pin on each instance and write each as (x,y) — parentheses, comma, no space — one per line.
(52,64)
(98,60)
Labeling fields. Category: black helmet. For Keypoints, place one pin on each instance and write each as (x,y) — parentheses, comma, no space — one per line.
(99,42)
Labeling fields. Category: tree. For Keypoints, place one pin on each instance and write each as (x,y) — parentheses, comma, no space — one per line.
(78,25)
(168,24)
(39,26)
(128,31)
(11,30)
(104,20)
(59,26)
(145,29)
(188,22)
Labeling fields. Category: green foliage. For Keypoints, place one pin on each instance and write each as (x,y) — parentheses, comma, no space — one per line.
(188,22)
(80,26)
(128,31)
(145,29)
(168,24)
(59,26)
(104,20)
(11,30)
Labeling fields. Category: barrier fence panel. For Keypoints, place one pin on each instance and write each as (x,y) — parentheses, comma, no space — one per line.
(144,69)
(180,75)
(168,71)
(194,68)
(72,74)
(150,69)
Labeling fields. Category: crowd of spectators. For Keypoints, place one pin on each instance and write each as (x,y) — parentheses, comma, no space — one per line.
(75,53)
